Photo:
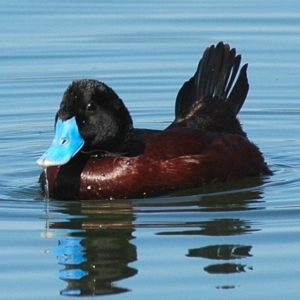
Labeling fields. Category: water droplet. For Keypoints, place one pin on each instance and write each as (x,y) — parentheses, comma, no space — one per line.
(89,187)
(46,183)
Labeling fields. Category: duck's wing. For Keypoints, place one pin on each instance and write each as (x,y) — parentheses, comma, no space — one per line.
(215,77)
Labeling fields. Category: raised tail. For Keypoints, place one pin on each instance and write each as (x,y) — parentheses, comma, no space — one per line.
(215,80)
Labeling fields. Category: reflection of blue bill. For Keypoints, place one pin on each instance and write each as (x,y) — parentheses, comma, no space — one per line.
(71,253)
(74,274)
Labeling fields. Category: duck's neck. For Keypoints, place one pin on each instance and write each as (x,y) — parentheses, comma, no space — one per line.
(118,146)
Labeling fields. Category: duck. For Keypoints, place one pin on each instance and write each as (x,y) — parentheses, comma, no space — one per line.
(98,154)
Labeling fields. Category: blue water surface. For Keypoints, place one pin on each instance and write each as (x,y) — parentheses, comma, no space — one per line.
(230,241)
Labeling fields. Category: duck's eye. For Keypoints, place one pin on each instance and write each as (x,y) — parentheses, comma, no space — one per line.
(92,106)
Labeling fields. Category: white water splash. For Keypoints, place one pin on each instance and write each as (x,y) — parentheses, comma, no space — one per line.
(46,184)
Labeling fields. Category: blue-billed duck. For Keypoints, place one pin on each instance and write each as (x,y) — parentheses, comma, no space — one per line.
(98,154)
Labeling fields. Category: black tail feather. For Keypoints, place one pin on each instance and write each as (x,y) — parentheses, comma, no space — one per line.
(215,77)
(239,92)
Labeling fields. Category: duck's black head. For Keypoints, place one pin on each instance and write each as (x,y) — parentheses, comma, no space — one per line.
(92,115)
(102,119)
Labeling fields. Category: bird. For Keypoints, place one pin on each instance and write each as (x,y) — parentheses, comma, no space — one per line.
(98,154)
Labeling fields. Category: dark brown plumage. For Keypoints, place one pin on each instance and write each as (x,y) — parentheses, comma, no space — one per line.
(204,144)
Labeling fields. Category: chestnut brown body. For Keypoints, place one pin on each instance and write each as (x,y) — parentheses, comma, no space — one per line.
(172,160)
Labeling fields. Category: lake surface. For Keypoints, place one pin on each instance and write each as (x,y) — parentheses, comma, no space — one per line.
(230,241)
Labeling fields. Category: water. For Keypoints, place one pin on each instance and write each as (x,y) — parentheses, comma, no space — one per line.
(235,241)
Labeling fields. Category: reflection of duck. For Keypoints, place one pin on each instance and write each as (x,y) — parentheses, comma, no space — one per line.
(216,227)
(102,156)
(96,258)
(223,252)
(95,250)
(226,268)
